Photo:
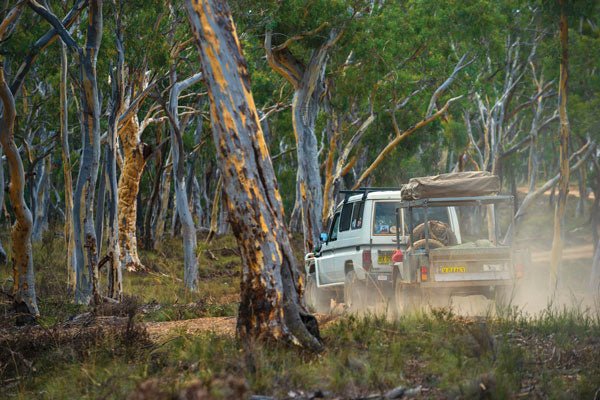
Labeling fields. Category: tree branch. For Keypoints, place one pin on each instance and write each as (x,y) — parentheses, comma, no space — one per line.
(58,26)
(42,43)
(400,136)
(462,64)
(12,16)
(283,62)
(301,36)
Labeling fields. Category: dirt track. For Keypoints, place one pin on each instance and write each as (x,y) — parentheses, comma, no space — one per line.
(226,325)
(220,325)
(584,251)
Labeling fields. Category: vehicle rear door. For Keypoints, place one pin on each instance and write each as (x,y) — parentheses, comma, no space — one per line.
(349,239)
(383,233)
(328,253)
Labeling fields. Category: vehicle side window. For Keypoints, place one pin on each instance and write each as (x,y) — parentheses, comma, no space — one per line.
(357,215)
(346,217)
(335,225)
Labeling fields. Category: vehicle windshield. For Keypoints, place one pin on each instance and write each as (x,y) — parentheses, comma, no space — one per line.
(384,221)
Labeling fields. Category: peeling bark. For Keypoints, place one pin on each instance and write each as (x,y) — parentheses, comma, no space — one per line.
(22,258)
(134,161)
(271,291)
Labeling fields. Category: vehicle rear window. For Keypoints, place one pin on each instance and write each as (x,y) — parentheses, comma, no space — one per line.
(384,221)
(433,213)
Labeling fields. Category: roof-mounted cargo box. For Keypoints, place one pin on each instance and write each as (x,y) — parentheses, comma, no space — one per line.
(456,184)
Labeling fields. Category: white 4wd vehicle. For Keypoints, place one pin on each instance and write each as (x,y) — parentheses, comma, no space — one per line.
(381,246)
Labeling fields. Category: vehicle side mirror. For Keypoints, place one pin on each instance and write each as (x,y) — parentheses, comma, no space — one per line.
(324,237)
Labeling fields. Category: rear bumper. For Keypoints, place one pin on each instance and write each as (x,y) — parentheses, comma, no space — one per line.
(468,284)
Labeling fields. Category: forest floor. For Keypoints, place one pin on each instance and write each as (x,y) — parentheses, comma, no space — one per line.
(164,342)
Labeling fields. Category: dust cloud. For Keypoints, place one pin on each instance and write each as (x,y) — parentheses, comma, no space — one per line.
(529,296)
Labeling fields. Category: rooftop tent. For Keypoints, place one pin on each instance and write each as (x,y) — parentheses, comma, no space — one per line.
(456,184)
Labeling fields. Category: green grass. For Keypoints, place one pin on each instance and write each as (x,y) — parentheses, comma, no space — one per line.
(446,354)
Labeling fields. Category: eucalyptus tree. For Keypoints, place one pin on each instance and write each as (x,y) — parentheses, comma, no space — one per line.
(3,256)
(298,40)
(67,170)
(22,257)
(188,229)
(563,182)
(144,53)
(86,252)
(271,299)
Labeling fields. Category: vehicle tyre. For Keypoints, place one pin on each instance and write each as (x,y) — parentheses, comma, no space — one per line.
(406,298)
(317,299)
(354,293)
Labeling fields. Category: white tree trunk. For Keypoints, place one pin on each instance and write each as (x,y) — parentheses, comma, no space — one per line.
(188,230)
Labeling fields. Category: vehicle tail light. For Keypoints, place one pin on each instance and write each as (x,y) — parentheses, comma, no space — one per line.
(424,274)
(519,270)
(398,256)
(366,260)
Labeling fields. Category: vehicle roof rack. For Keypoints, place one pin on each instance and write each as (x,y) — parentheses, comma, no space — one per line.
(366,190)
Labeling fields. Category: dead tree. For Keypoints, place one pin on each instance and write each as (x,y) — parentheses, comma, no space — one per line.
(583,153)
(563,183)
(271,291)
(498,122)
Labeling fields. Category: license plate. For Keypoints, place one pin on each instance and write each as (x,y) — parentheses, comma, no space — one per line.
(382,277)
(384,259)
(493,267)
(452,269)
